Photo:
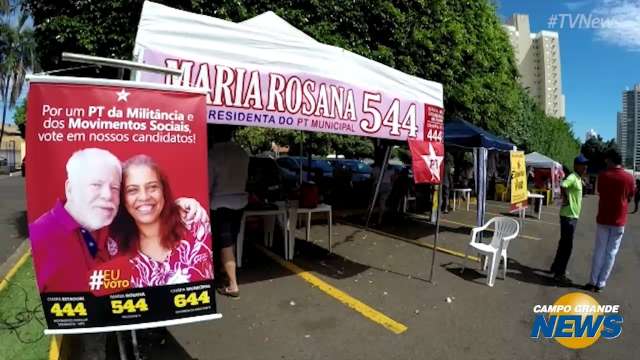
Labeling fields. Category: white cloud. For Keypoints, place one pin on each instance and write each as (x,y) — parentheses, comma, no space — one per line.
(622,23)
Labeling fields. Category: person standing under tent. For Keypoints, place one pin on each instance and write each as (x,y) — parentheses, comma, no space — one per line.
(616,188)
(571,189)
(447,183)
(385,188)
(228,174)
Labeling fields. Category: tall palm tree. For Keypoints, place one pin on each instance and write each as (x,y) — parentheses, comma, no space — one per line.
(17,55)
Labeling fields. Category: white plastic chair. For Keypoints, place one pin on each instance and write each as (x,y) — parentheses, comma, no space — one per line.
(505,230)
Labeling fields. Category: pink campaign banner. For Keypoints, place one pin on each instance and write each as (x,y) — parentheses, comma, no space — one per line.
(298,101)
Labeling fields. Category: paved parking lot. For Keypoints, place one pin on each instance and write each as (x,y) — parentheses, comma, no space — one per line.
(283,315)
(371,298)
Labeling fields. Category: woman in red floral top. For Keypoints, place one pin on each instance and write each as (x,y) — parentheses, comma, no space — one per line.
(162,249)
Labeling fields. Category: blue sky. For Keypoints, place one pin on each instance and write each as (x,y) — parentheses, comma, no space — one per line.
(597,63)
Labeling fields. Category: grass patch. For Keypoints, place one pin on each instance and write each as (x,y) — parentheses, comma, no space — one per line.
(21,319)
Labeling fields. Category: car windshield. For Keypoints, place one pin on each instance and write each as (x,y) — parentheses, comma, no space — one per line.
(325,165)
(359,167)
(289,163)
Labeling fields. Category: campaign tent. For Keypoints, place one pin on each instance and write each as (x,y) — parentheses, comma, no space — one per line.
(461,133)
(195,43)
(264,72)
(537,160)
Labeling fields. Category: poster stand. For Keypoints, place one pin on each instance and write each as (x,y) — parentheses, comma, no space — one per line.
(121,346)
(120,65)
(134,344)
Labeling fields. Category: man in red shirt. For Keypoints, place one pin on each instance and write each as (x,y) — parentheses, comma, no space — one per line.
(72,238)
(616,188)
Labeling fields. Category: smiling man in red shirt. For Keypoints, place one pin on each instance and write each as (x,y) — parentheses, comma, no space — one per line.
(616,188)
(71,238)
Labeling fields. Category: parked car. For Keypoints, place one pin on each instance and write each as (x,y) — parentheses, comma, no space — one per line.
(360,171)
(268,180)
(293,163)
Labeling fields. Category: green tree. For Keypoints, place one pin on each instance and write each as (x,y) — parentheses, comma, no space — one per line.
(17,55)
(20,117)
(594,149)
(459,43)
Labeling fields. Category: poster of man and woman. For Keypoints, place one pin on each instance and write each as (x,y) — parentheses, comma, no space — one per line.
(119,230)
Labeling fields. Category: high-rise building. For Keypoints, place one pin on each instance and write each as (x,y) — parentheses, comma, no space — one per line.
(628,132)
(538,59)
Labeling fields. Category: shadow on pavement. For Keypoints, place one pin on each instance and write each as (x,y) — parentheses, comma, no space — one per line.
(405,227)
(153,344)
(20,224)
(311,257)
(257,267)
(515,270)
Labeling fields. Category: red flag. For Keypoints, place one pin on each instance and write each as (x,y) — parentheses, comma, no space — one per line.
(427,161)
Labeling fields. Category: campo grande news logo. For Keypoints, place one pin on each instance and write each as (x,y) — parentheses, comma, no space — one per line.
(577,321)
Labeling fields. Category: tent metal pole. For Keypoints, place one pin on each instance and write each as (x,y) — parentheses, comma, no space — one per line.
(383,167)
(117,63)
(435,238)
(301,155)
(309,158)
(121,346)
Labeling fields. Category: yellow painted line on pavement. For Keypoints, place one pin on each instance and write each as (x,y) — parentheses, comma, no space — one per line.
(12,272)
(364,309)
(547,210)
(533,221)
(54,347)
(472,226)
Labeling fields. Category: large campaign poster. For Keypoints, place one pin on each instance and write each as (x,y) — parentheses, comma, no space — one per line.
(518,180)
(117,204)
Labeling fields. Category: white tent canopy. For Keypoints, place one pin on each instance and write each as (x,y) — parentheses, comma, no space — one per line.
(198,37)
(538,160)
(273,24)
(223,57)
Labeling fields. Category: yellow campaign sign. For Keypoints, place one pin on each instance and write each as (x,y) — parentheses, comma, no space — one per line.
(518,178)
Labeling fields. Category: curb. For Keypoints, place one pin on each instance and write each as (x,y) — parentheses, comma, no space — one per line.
(9,175)
(13,263)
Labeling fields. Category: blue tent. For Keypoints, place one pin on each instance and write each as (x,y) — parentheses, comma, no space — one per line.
(459,132)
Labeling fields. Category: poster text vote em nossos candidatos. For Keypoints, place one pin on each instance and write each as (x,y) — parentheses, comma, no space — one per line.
(120,236)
